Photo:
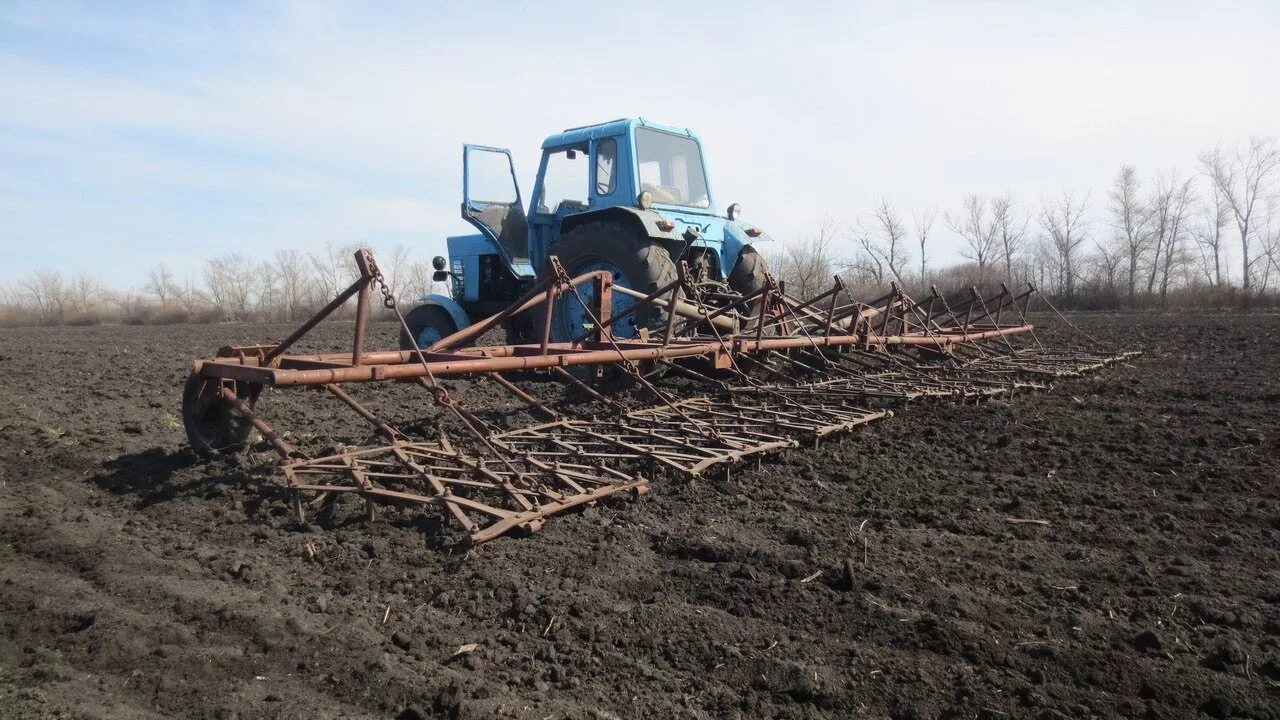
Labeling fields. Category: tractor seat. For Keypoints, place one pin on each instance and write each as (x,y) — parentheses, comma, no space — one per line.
(571,206)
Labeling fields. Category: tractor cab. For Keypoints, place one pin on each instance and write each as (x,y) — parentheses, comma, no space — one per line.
(611,165)
(629,196)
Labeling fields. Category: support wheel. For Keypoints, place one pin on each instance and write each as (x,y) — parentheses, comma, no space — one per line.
(212,423)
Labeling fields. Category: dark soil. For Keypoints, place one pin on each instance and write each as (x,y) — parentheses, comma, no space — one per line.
(879,576)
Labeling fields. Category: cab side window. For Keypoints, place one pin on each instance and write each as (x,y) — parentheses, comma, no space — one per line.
(606,163)
(565,184)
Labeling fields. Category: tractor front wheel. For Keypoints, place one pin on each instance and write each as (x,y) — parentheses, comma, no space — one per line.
(428,324)
(212,422)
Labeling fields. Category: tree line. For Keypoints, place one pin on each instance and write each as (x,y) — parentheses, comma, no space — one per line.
(1208,239)
(288,287)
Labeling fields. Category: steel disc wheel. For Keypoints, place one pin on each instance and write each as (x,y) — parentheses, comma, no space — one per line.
(212,423)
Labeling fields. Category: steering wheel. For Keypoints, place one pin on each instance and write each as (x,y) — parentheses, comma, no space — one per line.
(664,194)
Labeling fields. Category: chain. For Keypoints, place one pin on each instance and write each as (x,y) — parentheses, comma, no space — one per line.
(388,299)
(563,281)
(438,393)
(1094,341)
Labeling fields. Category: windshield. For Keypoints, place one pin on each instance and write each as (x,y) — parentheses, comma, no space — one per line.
(671,169)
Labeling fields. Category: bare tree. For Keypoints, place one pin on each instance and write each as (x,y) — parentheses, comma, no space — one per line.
(887,240)
(1065,225)
(393,267)
(806,266)
(1043,267)
(1010,231)
(1174,211)
(867,265)
(1245,179)
(160,284)
(1210,235)
(1163,222)
(48,293)
(1107,263)
(1130,217)
(291,277)
(12,298)
(189,296)
(266,283)
(333,268)
(84,293)
(977,230)
(418,279)
(231,279)
(130,304)
(924,225)
(1270,250)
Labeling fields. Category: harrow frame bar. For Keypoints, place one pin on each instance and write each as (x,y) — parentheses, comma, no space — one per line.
(269,365)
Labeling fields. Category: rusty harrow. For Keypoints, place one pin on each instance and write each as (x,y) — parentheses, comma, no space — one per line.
(762,373)
(727,431)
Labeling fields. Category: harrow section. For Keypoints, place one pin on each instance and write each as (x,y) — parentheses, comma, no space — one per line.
(762,373)
(724,432)
(485,501)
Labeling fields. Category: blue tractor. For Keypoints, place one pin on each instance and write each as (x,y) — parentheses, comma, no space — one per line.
(628,196)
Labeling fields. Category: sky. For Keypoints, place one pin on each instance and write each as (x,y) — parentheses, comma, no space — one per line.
(138,133)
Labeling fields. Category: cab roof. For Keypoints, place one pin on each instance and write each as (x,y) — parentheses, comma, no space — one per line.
(612,128)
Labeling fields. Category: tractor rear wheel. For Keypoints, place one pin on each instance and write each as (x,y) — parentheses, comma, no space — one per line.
(428,324)
(636,262)
(212,423)
(748,276)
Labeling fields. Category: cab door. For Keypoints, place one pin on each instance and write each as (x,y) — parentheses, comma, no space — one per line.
(491,200)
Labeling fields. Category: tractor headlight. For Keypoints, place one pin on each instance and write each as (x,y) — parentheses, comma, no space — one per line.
(645,200)
(734,211)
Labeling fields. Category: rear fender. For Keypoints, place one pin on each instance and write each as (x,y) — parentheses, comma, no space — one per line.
(723,240)
(646,221)
(735,239)
(451,306)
